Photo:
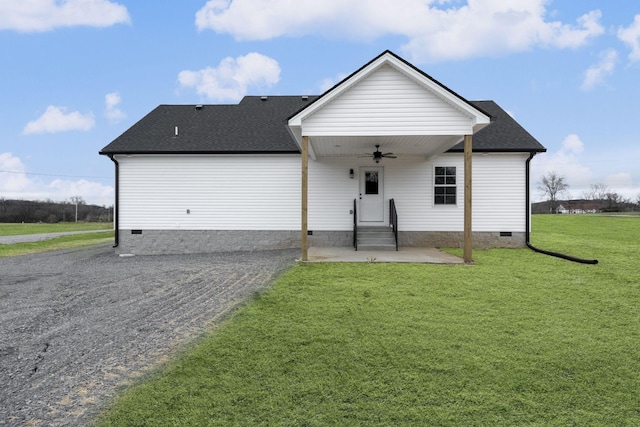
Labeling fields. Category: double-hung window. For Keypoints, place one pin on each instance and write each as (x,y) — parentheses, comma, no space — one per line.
(444,188)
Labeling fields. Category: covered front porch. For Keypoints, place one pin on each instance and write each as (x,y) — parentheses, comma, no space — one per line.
(386,107)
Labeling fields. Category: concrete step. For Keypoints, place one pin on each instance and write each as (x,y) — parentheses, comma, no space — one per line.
(371,247)
(387,240)
(375,234)
(381,234)
(373,228)
(372,238)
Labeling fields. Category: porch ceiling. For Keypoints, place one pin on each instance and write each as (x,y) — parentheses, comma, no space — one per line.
(402,145)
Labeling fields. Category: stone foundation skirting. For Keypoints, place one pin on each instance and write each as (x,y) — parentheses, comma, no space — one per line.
(455,239)
(327,239)
(160,242)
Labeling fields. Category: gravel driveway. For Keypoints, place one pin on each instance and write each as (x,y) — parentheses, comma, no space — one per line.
(76,324)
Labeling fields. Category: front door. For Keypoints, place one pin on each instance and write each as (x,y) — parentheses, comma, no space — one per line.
(371,194)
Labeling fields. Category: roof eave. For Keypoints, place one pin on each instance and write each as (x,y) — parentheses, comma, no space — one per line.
(499,150)
(199,152)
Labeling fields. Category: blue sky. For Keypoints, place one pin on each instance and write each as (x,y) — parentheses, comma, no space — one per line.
(75,74)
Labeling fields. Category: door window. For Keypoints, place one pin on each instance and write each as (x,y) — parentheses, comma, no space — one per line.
(371,182)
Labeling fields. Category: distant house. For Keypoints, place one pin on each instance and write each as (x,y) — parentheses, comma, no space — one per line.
(580,207)
(300,171)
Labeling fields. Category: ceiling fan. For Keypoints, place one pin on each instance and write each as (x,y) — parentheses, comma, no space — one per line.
(378,155)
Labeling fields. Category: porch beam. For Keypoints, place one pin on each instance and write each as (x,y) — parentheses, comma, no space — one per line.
(304,239)
(467,253)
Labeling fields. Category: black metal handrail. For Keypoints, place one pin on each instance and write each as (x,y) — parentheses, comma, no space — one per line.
(393,219)
(355,225)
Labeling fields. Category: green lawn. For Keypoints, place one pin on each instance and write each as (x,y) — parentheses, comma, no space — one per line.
(520,338)
(12,229)
(63,242)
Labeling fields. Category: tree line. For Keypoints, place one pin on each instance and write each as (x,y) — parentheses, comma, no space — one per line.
(554,186)
(48,211)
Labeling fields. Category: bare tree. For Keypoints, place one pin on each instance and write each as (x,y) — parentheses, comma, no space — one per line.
(50,211)
(597,192)
(615,202)
(552,185)
(77,200)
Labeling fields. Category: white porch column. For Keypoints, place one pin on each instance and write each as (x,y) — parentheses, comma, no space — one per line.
(304,239)
(468,242)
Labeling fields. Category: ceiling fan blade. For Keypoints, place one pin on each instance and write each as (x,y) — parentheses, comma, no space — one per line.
(387,154)
(390,156)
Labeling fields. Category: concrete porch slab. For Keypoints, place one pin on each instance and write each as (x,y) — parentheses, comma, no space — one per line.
(404,255)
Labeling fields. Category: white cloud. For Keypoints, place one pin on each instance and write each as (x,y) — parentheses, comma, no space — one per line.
(56,119)
(328,83)
(16,183)
(435,30)
(45,15)
(619,180)
(566,36)
(566,162)
(12,177)
(112,112)
(91,192)
(622,183)
(597,73)
(573,144)
(230,80)
(631,37)
(570,160)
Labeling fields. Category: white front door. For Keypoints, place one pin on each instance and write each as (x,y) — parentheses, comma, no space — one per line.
(371,194)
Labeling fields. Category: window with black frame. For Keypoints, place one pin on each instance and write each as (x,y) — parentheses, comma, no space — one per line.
(444,185)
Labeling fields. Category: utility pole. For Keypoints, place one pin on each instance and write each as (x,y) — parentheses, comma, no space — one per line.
(77,200)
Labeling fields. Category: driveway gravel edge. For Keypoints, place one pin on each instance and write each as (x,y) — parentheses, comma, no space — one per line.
(75,325)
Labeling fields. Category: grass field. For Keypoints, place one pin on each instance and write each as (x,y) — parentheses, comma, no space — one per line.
(64,242)
(520,338)
(28,228)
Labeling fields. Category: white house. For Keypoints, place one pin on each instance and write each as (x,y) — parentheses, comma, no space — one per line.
(579,207)
(300,171)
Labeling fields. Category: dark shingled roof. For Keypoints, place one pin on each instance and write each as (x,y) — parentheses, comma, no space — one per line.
(252,126)
(259,126)
(504,134)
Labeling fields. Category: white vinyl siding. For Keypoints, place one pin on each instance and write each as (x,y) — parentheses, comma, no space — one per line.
(499,197)
(331,194)
(224,192)
(411,185)
(387,102)
(498,193)
(263,192)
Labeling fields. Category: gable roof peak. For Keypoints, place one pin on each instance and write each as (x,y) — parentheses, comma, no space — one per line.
(401,65)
